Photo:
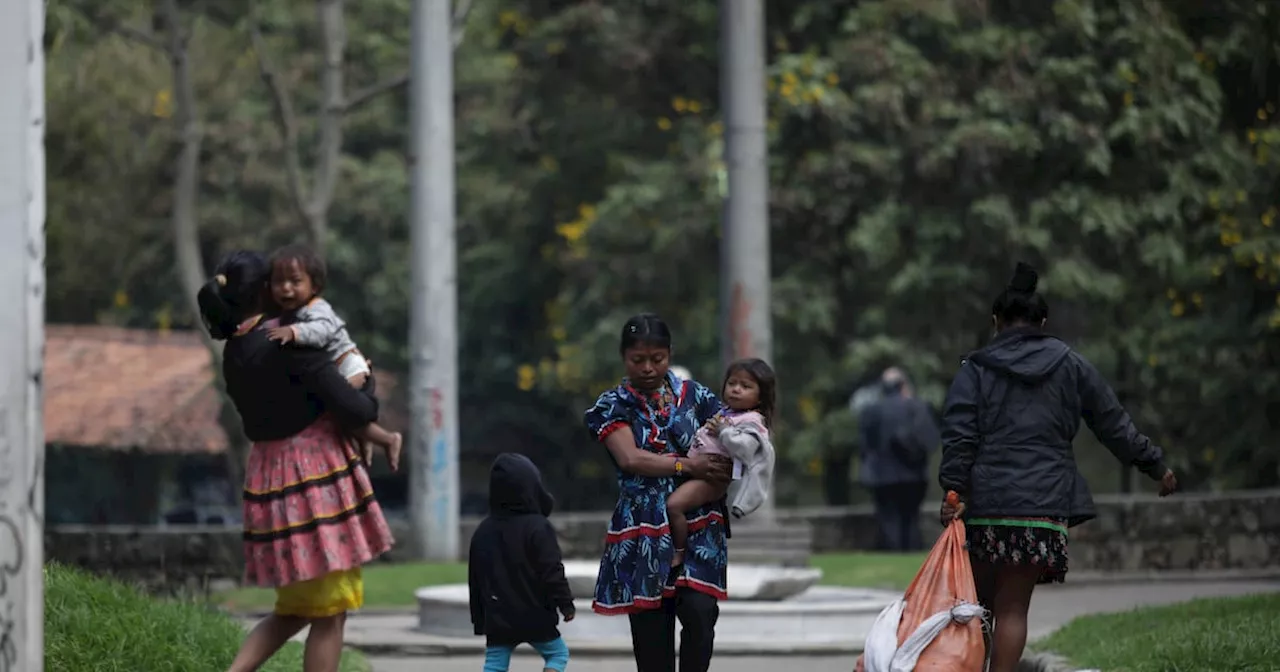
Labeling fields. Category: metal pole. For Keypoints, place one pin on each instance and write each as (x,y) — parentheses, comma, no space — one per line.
(434,311)
(745,277)
(22,349)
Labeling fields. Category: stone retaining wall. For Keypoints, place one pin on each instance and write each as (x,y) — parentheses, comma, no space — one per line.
(1225,531)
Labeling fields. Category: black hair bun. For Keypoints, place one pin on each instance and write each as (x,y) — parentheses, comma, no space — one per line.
(1024,279)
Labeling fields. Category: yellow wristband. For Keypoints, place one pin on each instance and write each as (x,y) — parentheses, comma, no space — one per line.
(679,466)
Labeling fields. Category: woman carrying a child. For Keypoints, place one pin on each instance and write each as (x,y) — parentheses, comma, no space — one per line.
(310,517)
(649,423)
(1009,422)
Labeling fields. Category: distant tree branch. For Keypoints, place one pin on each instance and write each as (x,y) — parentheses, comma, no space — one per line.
(135,35)
(333,36)
(112,24)
(460,14)
(368,93)
(286,119)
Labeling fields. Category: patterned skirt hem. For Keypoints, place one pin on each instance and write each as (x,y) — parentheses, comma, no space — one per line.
(640,605)
(1022,545)
(655,587)
(265,578)
(643,604)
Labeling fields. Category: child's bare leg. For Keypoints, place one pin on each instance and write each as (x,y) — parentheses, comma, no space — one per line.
(391,442)
(690,495)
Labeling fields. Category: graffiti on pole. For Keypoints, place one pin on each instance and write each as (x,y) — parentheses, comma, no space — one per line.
(741,338)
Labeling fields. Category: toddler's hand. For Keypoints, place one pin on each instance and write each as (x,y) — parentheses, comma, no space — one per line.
(280,335)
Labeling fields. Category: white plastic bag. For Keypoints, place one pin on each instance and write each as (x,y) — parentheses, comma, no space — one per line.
(882,639)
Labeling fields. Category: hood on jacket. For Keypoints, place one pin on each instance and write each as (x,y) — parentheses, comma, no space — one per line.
(515,487)
(1024,353)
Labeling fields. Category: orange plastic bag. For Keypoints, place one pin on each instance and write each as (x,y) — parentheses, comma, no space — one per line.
(944,581)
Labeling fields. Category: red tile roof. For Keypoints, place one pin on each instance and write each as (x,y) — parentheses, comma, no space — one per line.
(124,389)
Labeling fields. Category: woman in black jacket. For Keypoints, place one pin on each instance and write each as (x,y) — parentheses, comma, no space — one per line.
(310,518)
(1009,421)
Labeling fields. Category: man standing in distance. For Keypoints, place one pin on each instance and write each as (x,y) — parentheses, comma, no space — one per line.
(898,434)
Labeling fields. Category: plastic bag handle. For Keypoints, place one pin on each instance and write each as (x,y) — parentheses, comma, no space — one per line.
(953,499)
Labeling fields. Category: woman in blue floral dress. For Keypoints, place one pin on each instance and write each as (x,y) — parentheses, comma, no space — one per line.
(648,423)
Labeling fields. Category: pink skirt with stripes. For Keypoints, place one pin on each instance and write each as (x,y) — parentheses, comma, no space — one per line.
(309,509)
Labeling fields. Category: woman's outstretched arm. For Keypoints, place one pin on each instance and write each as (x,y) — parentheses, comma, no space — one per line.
(1112,425)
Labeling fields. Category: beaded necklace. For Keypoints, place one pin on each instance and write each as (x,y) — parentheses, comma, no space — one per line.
(666,409)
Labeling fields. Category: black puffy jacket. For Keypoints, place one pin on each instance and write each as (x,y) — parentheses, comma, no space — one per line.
(1010,417)
(515,570)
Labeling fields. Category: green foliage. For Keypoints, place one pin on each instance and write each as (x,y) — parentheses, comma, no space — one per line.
(918,148)
(963,138)
(99,625)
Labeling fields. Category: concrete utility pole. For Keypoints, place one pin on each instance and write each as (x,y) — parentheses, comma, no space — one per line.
(434,312)
(745,277)
(744,249)
(22,348)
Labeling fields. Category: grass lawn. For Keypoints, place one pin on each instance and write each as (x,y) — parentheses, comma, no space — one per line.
(386,585)
(98,625)
(1237,634)
(869,570)
(392,586)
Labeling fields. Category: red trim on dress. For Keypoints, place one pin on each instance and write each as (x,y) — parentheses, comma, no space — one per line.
(638,605)
(704,588)
(661,530)
(609,429)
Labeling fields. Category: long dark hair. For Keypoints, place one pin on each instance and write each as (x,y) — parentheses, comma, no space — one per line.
(235,290)
(1019,303)
(765,379)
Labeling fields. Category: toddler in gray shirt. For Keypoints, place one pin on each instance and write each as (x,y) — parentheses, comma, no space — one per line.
(297,278)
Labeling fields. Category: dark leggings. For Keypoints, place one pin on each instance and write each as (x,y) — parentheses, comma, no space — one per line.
(653,633)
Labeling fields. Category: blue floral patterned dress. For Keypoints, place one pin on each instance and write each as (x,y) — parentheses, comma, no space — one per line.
(635,569)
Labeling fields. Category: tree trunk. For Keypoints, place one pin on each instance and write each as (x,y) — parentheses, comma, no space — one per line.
(312,198)
(333,36)
(186,235)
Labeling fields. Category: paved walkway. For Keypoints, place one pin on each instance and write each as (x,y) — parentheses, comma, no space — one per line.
(1052,608)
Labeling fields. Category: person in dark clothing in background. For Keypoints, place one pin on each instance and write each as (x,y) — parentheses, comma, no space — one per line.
(898,434)
(1008,424)
(515,570)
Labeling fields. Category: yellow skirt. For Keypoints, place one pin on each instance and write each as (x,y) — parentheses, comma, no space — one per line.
(329,595)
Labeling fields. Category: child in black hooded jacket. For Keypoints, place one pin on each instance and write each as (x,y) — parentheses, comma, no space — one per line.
(515,570)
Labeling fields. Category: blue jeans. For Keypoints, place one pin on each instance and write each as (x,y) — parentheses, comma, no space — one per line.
(555,656)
